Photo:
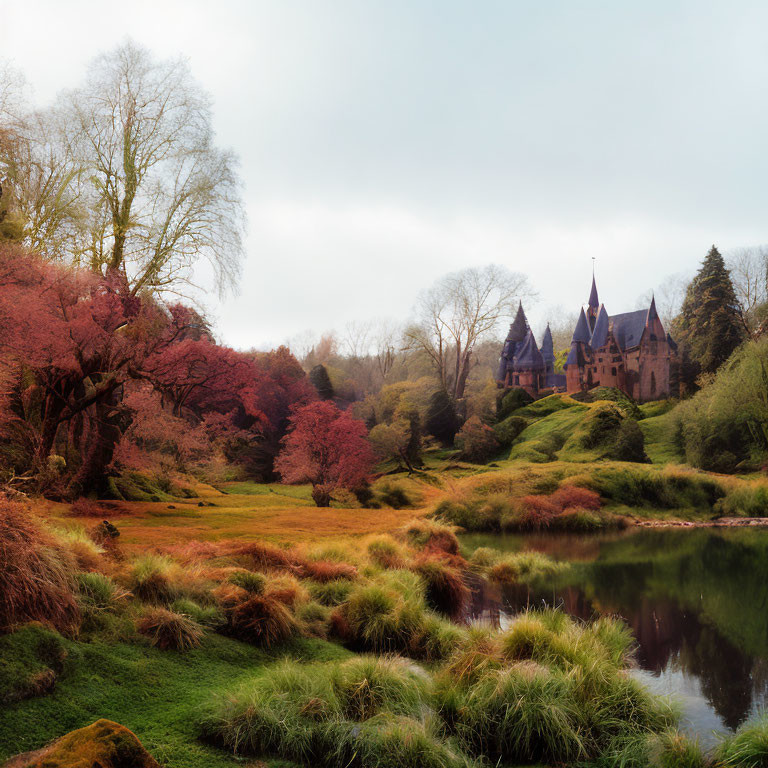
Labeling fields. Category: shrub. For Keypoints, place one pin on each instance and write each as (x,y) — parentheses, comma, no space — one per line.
(571,496)
(630,443)
(152,579)
(249,581)
(36,574)
(476,441)
(396,497)
(508,430)
(86,508)
(168,630)
(512,400)
(601,426)
(532,514)
(446,590)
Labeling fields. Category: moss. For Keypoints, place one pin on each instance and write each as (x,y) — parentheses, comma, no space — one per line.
(31,660)
(103,743)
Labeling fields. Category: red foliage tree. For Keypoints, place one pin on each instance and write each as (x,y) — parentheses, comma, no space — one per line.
(327,448)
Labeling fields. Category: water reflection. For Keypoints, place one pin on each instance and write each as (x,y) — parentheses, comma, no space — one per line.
(697,601)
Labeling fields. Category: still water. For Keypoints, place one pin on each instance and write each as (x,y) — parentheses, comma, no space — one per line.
(697,601)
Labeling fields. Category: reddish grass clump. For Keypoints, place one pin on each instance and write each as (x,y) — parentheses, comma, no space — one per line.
(573,497)
(536,512)
(328,570)
(86,508)
(445,587)
(36,574)
(170,630)
(265,556)
(263,620)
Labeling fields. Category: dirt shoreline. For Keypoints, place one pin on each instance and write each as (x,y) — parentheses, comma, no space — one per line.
(722,522)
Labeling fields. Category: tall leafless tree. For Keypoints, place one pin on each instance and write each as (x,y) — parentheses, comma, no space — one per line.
(461,309)
(749,275)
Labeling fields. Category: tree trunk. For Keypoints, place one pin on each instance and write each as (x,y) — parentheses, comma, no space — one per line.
(110,421)
(321,496)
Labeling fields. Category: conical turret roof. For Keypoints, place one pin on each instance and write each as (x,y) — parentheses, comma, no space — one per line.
(547,344)
(652,313)
(582,332)
(600,334)
(528,356)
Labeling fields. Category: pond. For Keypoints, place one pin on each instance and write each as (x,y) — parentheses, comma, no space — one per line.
(697,601)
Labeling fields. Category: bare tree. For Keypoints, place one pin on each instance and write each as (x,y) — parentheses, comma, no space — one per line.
(461,309)
(749,275)
(161,195)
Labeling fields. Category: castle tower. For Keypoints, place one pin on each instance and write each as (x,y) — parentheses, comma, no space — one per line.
(517,333)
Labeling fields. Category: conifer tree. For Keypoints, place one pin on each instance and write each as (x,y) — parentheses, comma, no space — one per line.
(321,382)
(708,327)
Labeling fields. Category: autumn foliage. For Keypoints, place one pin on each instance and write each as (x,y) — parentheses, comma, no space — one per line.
(327,448)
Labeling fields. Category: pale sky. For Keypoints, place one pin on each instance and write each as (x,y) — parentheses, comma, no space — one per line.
(383,144)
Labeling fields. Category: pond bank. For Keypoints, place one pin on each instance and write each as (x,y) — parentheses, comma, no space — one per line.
(721,522)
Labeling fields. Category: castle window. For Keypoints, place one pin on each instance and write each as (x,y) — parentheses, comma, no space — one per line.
(517,380)
(613,371)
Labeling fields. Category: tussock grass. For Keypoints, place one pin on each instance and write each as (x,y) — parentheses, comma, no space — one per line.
(169,630)
(747,748)
(446,590)
(386,552)
(36,573)
(152,577)
(249,581)
(365,712)
(432,536)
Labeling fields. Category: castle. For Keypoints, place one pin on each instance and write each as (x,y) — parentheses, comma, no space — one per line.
(630,351)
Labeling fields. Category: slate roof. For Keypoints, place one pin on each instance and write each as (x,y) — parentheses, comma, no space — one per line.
(528,356)
(519,326)
(600,333)
(582,332)
(672,343)
(628,327)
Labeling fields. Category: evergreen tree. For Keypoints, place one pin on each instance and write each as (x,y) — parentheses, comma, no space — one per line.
(321,381)
(442,421)
(708,327)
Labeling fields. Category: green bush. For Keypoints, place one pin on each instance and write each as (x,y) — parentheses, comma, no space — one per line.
(508,430)
(511,401)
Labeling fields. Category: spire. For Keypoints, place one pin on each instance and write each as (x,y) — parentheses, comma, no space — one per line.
(600,334)
(582,332)
(519,326)
(594,303)
(547,345)
(652,313)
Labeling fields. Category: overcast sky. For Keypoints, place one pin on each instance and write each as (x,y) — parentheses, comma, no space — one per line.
(384,143)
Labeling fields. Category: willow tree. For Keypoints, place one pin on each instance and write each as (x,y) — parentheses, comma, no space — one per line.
(460,310)
(161,196)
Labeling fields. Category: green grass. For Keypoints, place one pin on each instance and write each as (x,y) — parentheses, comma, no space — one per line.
(159,695)
(659,431)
